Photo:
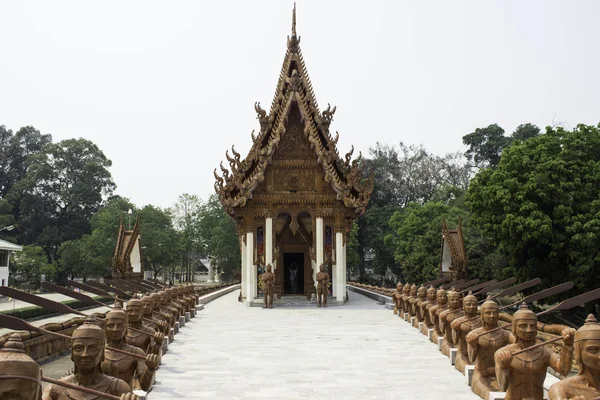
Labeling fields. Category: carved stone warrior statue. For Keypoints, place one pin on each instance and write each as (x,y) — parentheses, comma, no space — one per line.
(123,366)
(425,307)
(586,384)
(268,279)
(397,299)
(435,311)
(161,322)
(481,347)
(410,300)
(88,343)
(522,376)
(19,374)
(405,298)
(445,320)
(461,328)
(421,298)
(322,280)
(151,343)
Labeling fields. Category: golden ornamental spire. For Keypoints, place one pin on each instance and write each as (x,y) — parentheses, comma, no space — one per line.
(294,21)
(294,41)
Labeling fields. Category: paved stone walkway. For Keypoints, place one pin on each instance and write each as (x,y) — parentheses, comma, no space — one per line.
(358,351)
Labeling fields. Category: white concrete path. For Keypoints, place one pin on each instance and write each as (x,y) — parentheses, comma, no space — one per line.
(357,351)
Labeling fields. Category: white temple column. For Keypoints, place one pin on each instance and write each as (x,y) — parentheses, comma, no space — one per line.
(269,242)
(343,277)
(244,268)
(251,282)
(319,244)
(339,286)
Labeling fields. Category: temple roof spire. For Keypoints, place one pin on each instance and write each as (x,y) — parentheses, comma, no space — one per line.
(293,41)
(294,21)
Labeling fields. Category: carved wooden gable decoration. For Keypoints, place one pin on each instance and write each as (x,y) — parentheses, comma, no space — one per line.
(294,152)
(127,260)
(454,256)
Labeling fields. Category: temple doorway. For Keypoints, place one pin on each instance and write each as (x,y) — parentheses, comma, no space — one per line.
(293,273)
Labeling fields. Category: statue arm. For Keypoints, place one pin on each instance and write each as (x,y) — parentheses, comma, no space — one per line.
(49,393)
(456,332)
(557,392)
(502,368)
(121,387)
(472,346)
(562,363)
(442,322)
(144,374)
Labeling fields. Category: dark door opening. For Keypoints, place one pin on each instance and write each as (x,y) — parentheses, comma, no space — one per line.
(293,273)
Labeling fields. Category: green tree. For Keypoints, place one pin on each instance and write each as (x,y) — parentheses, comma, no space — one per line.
(542,208)
(525,131)
(352,257)
(160,240)
(72,259)
(485,146)
(16,153)
(220,242)
(28,265)
(416,238)
(186,217)
(65,185)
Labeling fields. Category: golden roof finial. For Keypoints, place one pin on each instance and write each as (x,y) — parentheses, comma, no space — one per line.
(294,21)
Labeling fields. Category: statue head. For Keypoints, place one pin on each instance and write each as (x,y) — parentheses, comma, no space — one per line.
(413,290)
(470,305)
(399,287)
(163,297)
(147,304)
(431,294)
(422,292)
(116,323)
(19,374)
(134,310)
(454,301)
(87,346)
(156,299)
(524,324)
(268,267)
(322,268)
(406,289)
(442,297)
(489,312)
(587,346)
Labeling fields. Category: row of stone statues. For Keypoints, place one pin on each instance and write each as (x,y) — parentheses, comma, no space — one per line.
(505,358)
(112,356)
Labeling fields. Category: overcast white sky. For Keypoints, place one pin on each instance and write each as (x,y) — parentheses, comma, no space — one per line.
(164,88)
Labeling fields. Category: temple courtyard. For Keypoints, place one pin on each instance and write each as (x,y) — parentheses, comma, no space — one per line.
(356,351)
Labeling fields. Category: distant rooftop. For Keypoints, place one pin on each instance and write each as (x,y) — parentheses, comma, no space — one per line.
(4,245)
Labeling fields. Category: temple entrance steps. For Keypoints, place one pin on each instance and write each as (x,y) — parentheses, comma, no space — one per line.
(358,351)
(295,301)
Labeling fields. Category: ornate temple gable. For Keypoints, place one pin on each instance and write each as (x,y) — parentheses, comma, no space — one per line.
(454,256)
(126,243)
(293,119)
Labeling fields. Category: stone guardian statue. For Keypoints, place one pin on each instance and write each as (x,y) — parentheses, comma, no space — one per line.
(522,376)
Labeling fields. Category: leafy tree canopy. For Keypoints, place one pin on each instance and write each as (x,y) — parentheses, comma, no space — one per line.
(416,238)
(541,206)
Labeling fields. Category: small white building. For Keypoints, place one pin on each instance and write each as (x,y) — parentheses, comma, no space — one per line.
(5,249)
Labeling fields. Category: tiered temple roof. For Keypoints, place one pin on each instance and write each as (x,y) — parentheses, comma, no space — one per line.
(294,89)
